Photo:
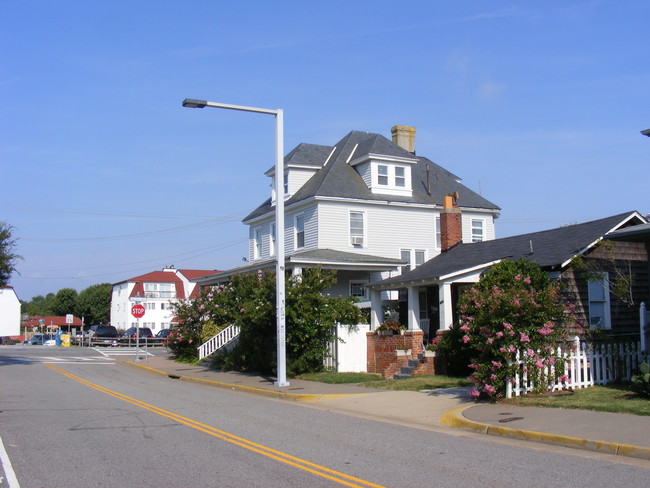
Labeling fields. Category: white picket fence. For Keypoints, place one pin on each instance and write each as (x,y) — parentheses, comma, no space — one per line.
(223,338)
(586,365)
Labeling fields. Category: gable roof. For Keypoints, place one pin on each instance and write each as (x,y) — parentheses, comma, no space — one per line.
(550,249)
(337,179)
(190,274)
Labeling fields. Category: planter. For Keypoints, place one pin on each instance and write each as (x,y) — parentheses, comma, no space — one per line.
(403,352)
(429,354)
(385,332)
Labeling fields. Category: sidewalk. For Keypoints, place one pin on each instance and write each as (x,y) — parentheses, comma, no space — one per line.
(619,434)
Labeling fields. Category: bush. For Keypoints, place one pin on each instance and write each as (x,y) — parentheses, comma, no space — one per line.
(455,355)
(640,383)
(249,301)
(514,307)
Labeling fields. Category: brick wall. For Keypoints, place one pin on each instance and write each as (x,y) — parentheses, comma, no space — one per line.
(382,358)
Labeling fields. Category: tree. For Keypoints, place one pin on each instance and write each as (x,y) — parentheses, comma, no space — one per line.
(65,302)
(39,305)
(8,257)
(514,308)
(249,301)
(94,304)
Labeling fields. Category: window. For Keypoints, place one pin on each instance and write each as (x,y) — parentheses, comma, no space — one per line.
(300,231)
(159,290)
(272,240)
(400,178)
(413,258)
(286,183)
(599,305)
(356,228)
(438,235)
(257,244)
(405,255)
(358,289)
(382,175)
(149,306)
(477,230)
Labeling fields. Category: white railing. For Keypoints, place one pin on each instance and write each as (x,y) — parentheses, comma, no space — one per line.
(586,365)
(223,338)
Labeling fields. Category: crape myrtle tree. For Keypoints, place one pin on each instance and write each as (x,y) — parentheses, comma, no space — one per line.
(514,307)
(248,301)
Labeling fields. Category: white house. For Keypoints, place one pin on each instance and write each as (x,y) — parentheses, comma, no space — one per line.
(157,291)
(9,312)
(365,206)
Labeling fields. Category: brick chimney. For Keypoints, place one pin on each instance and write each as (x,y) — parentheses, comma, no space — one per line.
(451,230)
(404,137)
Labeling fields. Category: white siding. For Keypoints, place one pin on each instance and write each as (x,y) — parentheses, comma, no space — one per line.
(365,170)
(9,312)
(311,229)
(388,229)
(488,225)
(298,177)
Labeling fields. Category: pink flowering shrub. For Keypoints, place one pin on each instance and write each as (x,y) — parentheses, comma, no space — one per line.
(514,307)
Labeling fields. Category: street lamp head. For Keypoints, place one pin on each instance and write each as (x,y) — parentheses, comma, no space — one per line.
(194,103)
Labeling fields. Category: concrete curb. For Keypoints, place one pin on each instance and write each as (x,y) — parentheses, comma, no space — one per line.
(299,397)
(456,419)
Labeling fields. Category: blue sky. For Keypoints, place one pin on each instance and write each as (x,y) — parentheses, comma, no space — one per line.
(536,105)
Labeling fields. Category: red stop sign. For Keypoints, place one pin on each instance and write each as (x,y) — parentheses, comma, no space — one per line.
(137,311)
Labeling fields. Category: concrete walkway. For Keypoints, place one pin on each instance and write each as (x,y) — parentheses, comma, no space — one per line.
(619,434)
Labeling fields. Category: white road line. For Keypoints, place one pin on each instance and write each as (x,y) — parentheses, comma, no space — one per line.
(12,481)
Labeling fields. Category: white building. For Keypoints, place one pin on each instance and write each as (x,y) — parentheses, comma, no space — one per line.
(365,206)
(9,312)
(157,292)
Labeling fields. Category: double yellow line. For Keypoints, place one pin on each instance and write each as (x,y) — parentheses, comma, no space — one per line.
(280,456)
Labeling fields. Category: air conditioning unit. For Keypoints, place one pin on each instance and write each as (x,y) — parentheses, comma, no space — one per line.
(357,240)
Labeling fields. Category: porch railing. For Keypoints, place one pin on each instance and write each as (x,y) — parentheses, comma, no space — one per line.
(222,339)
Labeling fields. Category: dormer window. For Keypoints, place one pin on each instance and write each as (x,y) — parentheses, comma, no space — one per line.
(393,179)
(400,178)
(382,175)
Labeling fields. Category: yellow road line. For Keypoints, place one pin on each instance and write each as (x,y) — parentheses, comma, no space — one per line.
(280,456)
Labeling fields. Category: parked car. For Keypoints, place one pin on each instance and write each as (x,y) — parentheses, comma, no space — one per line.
(145,332)
(103,335)
(38,339)
(161,336)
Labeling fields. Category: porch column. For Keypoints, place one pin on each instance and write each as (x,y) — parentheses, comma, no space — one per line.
(376,311)
(413,308)
(446,309)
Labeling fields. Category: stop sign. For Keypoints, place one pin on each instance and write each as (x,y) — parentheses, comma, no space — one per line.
(137,311)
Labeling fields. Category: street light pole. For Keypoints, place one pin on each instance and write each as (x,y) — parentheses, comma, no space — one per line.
(279,224)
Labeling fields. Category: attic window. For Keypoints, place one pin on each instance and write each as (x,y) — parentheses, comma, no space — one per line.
(391,179)
(400,179)
(382,175)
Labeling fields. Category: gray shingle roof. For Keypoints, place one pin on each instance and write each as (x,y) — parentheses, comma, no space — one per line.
(339,179)
(550,249)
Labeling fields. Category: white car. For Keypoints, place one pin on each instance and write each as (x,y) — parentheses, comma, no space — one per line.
(50,342)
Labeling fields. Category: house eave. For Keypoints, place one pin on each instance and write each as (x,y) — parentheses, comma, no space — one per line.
(383,157)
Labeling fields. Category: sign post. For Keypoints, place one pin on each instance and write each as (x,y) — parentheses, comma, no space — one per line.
(137,311)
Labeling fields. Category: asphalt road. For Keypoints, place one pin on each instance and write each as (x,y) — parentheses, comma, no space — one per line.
(78,418)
